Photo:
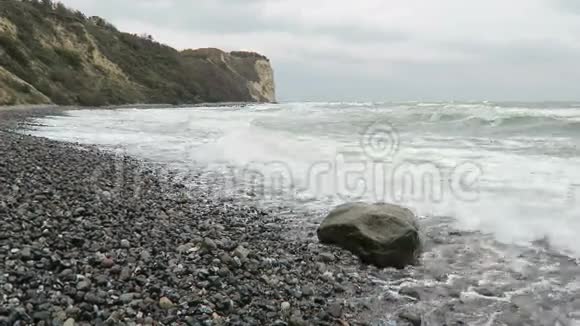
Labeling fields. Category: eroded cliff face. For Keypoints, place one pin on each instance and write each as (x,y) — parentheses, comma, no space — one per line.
(50,54)
(246,75)
(260,81)
(265,87)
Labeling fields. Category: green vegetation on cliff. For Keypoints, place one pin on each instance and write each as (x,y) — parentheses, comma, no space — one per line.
(52,54)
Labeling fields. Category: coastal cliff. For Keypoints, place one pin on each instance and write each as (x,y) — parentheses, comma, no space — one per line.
(50,54)
(246,76)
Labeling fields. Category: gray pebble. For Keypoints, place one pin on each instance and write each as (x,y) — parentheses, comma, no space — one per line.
(83,285)
(326,257)
(125,244)
(209,244)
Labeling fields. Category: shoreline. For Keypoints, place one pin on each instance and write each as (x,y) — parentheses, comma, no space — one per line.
(128,105)
(104,239)
(95,238)
(13,116)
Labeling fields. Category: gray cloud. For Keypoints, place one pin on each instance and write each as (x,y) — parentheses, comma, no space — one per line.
(543,52)
(224,16)
(379,49)
(571,6)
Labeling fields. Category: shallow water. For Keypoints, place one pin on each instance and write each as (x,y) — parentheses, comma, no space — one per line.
(504,173)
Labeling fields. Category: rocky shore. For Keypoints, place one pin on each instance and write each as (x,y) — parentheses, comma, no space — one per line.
(90,238)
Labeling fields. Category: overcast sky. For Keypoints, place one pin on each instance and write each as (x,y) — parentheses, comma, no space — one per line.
(379,49)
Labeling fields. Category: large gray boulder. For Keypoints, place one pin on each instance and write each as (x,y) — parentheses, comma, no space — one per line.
(381,234)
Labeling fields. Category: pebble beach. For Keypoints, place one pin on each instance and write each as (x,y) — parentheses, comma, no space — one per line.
(91,238)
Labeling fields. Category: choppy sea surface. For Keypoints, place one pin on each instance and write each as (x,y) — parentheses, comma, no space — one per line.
(497,187)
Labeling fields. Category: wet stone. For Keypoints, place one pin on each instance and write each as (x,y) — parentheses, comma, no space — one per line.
(83,285)
(125,244)
(107,262)
(209,244)
(307,291)
(69,322)
(41,315)
(410,292)
(488,292)
(165,303)
(335,310)
(326,257)
(285,306)
(411,317)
